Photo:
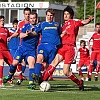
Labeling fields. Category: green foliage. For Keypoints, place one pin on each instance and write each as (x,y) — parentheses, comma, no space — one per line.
(89,9)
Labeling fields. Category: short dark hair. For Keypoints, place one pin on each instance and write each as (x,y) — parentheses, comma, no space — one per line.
(27,9)
(70,10)
(34,13)
(50,10)
(2,17)
(83,41)
(97,24)
(15,21)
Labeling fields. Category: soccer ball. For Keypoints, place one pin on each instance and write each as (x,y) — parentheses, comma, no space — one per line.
(45,86)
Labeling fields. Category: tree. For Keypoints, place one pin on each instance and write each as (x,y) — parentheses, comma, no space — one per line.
(89,9)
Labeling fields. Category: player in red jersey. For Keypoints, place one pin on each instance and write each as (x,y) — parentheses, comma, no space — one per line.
(84,57)
(66,51)
(95,54)
(21,69)
(4,52)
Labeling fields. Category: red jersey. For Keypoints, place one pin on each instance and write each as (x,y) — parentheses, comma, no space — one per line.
(84,53)
(4,34)
(96,41)
(71,27)
(21,24)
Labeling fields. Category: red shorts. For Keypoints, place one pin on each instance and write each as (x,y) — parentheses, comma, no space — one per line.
(85,61)
(95,55)
(68,53)
(6,56)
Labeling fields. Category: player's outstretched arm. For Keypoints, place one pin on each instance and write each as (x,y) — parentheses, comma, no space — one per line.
(23,35)
(90,18)
(12,36)
(33,33)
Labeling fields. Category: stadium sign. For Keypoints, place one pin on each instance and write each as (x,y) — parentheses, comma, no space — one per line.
(24,4)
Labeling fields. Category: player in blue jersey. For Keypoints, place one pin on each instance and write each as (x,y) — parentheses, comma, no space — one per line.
(13,42)
(50,41)
(26,51)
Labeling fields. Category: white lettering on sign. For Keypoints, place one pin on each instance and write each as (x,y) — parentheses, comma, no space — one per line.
(24,4)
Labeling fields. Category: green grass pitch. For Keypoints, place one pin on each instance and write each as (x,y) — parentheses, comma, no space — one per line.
(60,90)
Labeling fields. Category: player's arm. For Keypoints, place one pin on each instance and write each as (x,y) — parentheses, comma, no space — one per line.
(33,33)
(12,36)
(88,43)
(23,35)
(89,40)
(24,32)
(36,30)
(62,34)
(90,18)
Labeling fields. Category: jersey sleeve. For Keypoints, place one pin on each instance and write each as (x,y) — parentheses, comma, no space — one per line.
(37,28)
(24,29)
(9,34)
(79,49)
(79,23)
(64,29)
(90,37)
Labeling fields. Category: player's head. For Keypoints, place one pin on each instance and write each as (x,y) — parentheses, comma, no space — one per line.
(33,18)
(68,13)
(82,43)
(2,21)
(27,12)
(50,15)
(97,27)
(15,23)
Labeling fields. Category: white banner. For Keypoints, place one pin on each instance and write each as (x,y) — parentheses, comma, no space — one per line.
(24,4)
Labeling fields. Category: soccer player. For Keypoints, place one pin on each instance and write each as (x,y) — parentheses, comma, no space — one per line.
(67,52)
(50,41)
(84,57)
(26,50)
(4,52)
(95,54)
(13,41)
(21,69)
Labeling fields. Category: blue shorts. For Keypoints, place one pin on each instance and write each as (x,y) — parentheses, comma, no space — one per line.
(48,51)
(21,54)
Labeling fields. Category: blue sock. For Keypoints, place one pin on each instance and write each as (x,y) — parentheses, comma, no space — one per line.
(38,68)
(23,69)
(31,70)
(12,71)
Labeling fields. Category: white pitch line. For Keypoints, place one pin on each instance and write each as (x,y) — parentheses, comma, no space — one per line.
(11,88)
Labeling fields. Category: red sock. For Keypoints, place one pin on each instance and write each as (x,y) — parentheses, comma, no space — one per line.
(20,76)
(42,68)
(90,70)
(1,72)
(50,77)
(97,71)
(19,69)
(48,72)
(80,73)
(87,73)
(74,79)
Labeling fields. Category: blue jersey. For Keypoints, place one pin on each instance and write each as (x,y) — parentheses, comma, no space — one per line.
(30,42)
(50,32)
(14,42)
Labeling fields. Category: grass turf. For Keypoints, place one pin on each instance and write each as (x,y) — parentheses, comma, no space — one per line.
(60,90)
